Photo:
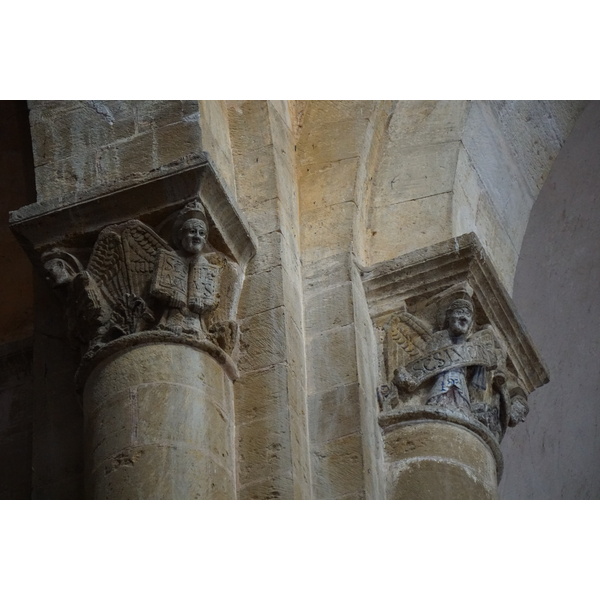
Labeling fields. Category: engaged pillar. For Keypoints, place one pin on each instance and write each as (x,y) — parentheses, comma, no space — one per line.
(457,368)
(158,420)
(151,306)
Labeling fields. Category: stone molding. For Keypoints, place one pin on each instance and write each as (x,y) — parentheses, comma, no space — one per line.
(92,359)
(41,226)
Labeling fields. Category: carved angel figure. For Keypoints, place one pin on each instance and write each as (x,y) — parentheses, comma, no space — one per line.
(448,356)
(136,281)
(187,280)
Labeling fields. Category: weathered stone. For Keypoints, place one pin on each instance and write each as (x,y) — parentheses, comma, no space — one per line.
(263,291)
(268,253)
(340,367)
(417,224)
(329,308)
(431,461)
(334,414)
(333,222)
(279,488)
(263,449)
(141,428)
(419,123)
(413,173)
(338,468)
(325,186)
(262,340)
(257,393)
(317,184)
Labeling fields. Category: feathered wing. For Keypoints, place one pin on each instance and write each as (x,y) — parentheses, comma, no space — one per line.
(406,339)
(123,261)
(107,265)
(141,246)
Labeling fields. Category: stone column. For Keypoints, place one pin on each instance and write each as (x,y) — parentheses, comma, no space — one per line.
(152,308)
(432,456)
(158,423)
(458,367)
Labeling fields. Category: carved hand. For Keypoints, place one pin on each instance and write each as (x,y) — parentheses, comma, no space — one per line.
(403,381)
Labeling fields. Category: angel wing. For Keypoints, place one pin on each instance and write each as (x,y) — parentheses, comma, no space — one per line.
(407,337)
(122,263)
(142,247)
(107,265)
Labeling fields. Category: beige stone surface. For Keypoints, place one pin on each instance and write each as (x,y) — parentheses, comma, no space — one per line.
(339,469)
(263,449)
(263,340)
(159,473)
(433,460)
(322,184)
(468,152)
(158,420)
(90,147)
(404,226)
(262,291)
(421,123)
(340,368)
(263,149)
(272,488)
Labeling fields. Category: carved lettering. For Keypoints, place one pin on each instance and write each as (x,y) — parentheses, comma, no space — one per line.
(452,357)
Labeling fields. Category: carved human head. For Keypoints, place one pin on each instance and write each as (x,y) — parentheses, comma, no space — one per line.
(61,267)
(193,235)
(190,230)
(459,317)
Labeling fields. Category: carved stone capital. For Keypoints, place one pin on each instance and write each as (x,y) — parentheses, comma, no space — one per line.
(451,345)
(172,274)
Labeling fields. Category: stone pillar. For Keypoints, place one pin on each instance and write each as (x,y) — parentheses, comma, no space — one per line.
(158,421)
(151,306)
(433,458)
(458,367)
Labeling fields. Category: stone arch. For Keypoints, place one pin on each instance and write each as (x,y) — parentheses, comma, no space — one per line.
(446,168)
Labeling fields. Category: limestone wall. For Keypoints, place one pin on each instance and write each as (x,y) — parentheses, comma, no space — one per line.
(94,147)
(327,189)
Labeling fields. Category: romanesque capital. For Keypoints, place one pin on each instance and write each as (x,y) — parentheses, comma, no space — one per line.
(173,274)
(137,284)
(451,346)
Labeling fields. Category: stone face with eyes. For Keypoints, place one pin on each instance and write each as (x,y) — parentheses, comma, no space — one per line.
(459,322)
(58,272)
(193,236)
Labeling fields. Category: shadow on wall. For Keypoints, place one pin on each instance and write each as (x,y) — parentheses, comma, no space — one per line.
(555,454)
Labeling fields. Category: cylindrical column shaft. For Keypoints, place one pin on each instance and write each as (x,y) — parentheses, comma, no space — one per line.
(438,460)
(159,425)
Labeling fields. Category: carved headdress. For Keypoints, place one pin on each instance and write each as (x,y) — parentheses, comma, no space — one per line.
(61,266)
(57,254)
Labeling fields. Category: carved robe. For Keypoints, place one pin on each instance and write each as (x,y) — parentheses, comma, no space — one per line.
(450,389)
